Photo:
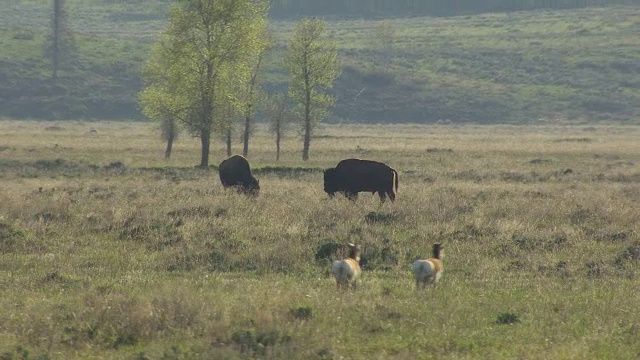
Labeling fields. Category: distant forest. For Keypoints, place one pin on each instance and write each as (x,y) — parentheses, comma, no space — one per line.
(292,8)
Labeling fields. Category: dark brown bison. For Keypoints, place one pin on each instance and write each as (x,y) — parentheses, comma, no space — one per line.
(235,172)
(352,176)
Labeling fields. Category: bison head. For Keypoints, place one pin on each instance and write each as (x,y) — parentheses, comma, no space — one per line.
(330,182)
(253,188)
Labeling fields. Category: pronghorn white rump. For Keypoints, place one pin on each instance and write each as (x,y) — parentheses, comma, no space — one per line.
(429,271)
(347,271)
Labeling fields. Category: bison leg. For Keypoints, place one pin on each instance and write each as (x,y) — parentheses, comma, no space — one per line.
(353,196)
(392,195)
(383,195)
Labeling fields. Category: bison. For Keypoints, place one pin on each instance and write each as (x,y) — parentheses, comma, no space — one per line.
(235,172)
(352,176)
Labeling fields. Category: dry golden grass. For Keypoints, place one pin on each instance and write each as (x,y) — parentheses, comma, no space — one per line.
(108,250)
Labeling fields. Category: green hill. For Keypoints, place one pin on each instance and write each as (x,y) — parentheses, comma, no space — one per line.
(580,65)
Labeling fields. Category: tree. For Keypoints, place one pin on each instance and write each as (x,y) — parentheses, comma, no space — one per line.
(313,66)
(201,61)
(60,45)
(169,132)
(383,38)
(228,126)
(162,101)
(278,119)
(253,94)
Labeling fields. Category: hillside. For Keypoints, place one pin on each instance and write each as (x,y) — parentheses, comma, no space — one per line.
(579,65)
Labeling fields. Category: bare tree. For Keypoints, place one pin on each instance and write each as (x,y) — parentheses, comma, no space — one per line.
(60,45)
(253,96)
(278,119)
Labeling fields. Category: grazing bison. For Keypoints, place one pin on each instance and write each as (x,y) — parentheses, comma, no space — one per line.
(235,172)
(352,176)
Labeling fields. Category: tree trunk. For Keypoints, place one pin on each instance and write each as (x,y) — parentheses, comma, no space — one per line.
(167,153)
(307,140)
(205,137)
(245,136)
(57,18)
(229,142)
(307,125)
(277,146)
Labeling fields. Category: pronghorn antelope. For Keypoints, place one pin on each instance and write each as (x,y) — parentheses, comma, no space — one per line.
(347,271)
(428,271)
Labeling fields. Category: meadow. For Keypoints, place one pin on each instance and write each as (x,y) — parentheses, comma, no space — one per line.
(109,251)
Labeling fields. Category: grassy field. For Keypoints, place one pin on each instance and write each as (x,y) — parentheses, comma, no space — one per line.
(571,66)
(108,251)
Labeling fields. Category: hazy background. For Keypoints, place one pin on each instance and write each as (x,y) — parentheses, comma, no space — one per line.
(429,61)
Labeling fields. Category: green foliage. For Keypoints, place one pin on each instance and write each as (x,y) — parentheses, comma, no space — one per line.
(313,66)
(200,62)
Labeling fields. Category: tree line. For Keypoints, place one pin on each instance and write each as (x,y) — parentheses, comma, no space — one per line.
(288,8)
(202,74)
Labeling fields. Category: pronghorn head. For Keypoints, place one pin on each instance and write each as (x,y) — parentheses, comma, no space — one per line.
(437,250)
(354,252)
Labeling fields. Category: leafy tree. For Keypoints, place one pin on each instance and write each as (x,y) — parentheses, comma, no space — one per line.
(313,66)
(278,119)
(200,63)
(163,101)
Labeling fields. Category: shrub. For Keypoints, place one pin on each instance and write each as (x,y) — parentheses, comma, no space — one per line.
(379,217)
(258,342)
(10,238)
(507,318)
(303,312)
(376,257)
(328,251)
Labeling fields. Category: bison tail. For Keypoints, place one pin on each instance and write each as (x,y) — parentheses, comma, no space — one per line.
(395,181)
